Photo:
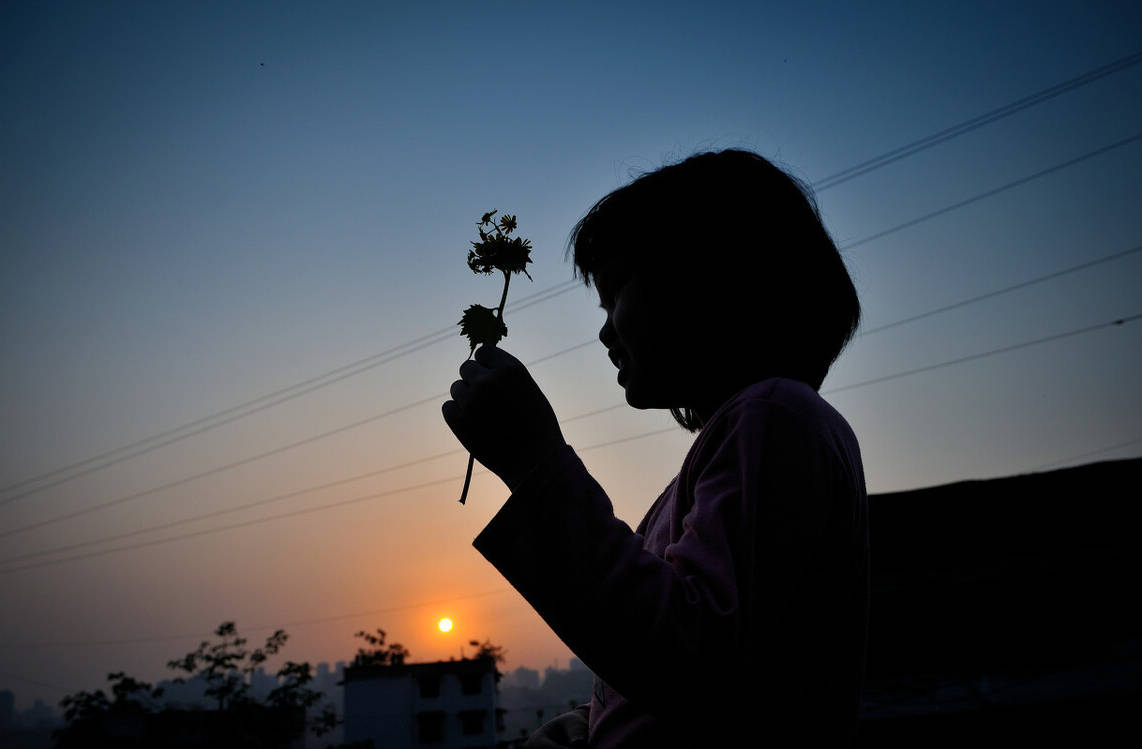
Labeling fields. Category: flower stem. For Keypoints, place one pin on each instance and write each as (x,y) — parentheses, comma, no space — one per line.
(504,298)
(468,475)
(467,479)
(500,315)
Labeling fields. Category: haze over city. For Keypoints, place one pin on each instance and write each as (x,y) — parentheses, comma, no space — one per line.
(234,240)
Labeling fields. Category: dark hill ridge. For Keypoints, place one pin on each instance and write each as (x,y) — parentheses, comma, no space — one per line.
(1003,610)
(1028,571)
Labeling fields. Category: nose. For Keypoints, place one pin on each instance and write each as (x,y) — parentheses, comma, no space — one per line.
(607,333)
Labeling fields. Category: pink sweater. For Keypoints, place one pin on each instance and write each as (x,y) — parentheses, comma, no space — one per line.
(741,601)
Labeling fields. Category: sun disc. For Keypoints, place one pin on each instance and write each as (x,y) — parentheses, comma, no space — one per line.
(445,625)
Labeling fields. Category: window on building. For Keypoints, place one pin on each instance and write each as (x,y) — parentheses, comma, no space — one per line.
(472,722)
(472,683)
(429,686)
(430,727)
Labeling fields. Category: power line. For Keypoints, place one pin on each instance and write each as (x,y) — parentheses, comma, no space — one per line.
(310,510)
(1004,290)
(993,352)
(252,458)
(387,469)
(307,510)
(241,410)
(388,610)
(390,412)
(261,628)
(43,684)
(234,464)
(1099,451)
(974,123)
(993,192)
(269,500)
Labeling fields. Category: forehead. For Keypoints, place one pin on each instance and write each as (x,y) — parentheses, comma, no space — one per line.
(614,270)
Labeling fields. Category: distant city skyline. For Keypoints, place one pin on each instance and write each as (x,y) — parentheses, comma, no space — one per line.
(325,673)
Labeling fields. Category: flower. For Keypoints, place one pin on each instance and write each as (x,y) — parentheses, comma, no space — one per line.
(509,255)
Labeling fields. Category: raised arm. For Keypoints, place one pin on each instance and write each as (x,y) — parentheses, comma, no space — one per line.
(679,628)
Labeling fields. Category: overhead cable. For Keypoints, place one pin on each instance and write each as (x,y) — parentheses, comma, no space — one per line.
(246,408)
(308,510)
(252,458)
(242,410)
(993,192)
(354,500)
(398,466)
(910,149)
(260,628)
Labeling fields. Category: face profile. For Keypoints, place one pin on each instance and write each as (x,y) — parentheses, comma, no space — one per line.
(670,354)
(638,336)
(755,289)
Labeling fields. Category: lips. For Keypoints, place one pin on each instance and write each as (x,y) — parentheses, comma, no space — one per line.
(620,363)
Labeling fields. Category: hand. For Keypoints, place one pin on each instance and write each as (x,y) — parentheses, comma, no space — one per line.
(501,416)
(565,730)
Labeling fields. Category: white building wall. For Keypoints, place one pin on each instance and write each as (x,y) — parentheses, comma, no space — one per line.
(381,710)
(385,709)
(453,701)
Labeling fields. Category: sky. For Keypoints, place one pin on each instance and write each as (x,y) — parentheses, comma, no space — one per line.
(204,204)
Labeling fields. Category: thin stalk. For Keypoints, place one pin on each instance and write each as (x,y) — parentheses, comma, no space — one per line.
(471,460)
(504,298)
(467,479)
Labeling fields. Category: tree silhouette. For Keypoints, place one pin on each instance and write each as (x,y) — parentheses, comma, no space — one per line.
(133,717)
(379,654)
(85,711)
(487,650)
(221,664)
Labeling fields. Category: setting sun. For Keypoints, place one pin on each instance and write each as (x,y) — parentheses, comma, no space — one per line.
(445,625)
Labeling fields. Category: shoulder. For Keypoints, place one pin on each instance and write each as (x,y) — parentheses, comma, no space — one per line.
(779,399)
(779,415)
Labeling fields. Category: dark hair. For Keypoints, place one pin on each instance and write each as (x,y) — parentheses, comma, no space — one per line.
(730,225)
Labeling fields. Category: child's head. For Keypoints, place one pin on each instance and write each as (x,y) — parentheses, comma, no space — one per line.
(737,281)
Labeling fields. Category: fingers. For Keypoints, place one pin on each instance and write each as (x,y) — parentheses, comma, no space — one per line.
(470,370)
(493,357)
(460,393)
(449,412)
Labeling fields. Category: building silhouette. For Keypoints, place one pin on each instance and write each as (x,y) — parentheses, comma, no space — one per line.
(446,704)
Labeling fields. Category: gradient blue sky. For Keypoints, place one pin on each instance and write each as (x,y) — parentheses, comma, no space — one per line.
(206,202)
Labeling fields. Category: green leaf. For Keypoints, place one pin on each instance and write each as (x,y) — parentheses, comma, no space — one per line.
(481,325)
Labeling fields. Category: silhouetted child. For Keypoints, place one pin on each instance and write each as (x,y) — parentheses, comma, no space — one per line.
(736,613)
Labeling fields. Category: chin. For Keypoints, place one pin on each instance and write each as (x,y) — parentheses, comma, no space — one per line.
(640,399)
(632,396)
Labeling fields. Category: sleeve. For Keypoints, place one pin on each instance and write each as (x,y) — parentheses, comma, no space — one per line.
(564,731)
(662,629)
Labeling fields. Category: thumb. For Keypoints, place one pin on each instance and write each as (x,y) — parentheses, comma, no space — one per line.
(494,357)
